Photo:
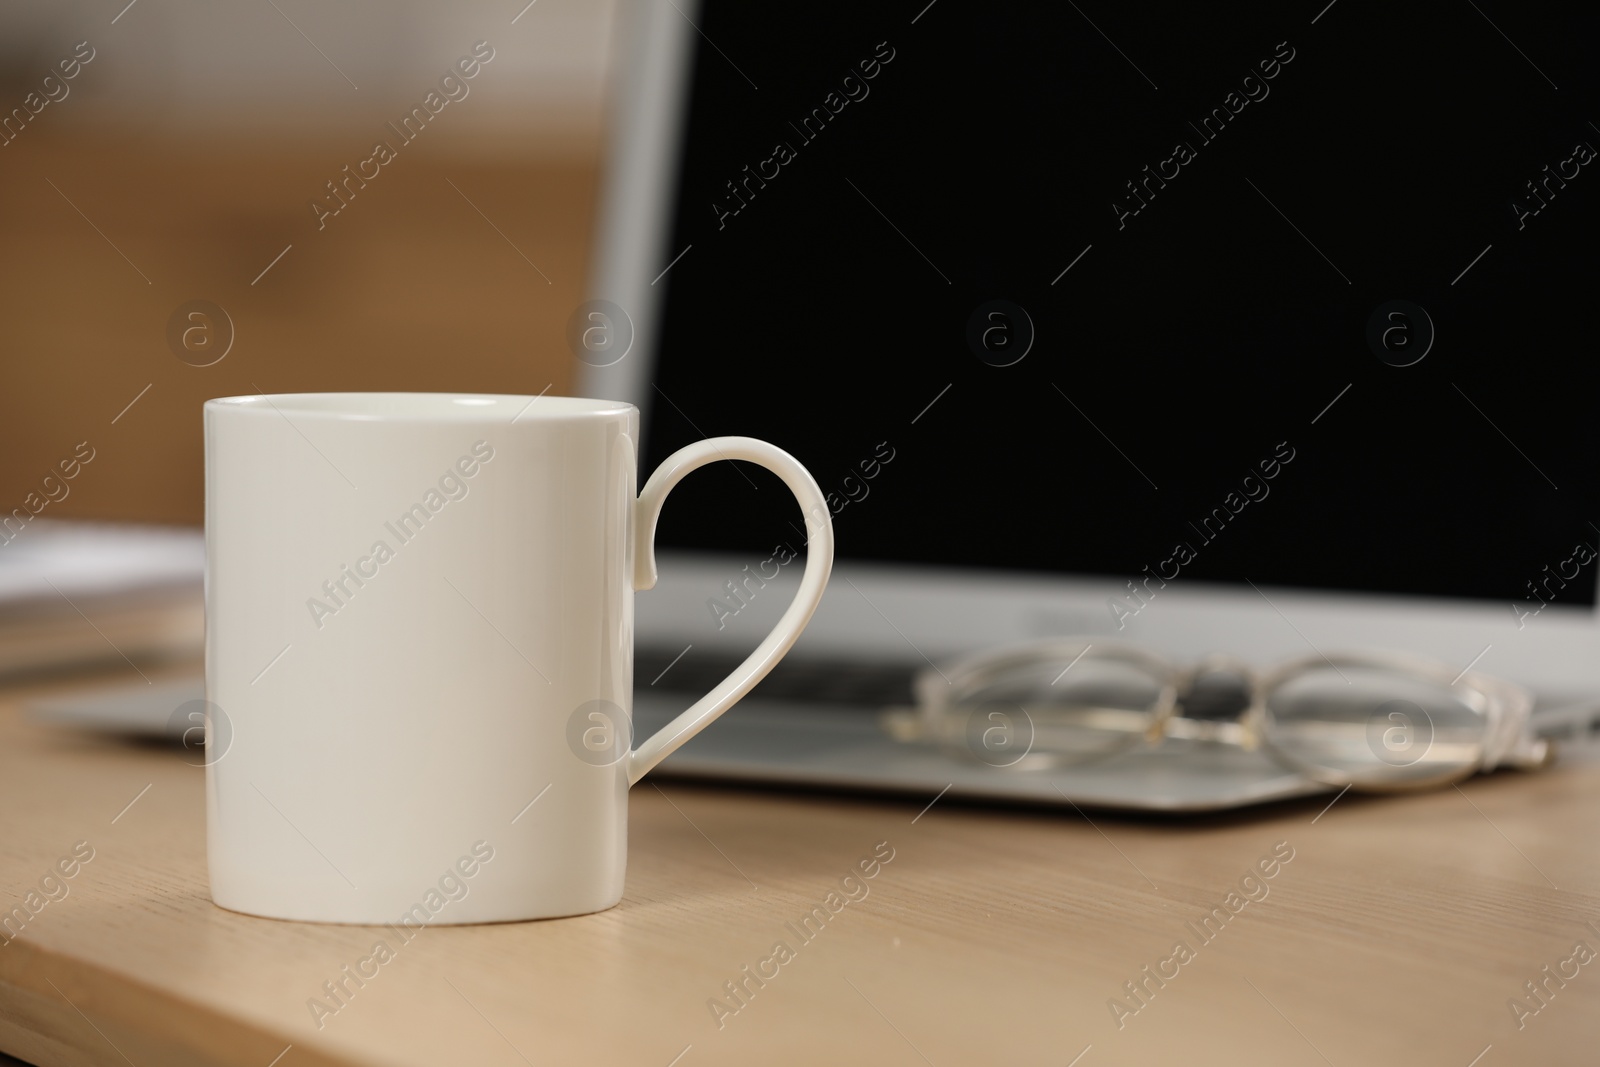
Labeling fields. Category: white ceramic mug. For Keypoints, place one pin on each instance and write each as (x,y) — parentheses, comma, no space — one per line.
(419,650)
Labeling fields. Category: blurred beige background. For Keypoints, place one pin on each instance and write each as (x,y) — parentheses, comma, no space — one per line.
(181,160)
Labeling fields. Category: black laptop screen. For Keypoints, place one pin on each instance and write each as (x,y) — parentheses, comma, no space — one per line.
(1228,293)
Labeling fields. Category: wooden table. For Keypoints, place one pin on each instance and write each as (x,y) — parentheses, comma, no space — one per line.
(1396,934)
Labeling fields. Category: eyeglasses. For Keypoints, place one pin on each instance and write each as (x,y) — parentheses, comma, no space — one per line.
(1378,722)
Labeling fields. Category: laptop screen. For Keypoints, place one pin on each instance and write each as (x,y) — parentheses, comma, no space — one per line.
(1222,294)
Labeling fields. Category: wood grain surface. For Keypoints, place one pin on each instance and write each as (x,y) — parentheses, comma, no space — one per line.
(1397,933)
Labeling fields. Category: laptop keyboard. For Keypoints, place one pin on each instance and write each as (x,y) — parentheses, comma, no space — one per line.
(878,685)
(793,680)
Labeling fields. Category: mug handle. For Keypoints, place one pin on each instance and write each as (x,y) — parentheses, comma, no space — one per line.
(819,563)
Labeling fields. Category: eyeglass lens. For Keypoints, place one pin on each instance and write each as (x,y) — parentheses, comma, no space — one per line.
(1375,725)
(1070,710)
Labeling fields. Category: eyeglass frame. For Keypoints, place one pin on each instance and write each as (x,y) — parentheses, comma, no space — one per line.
(1504,708)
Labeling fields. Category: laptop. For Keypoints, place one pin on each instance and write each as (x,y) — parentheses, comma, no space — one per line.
(1249,331)
(1246,330)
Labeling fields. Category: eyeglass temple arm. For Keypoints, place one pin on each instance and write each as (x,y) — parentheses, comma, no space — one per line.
(1537,745)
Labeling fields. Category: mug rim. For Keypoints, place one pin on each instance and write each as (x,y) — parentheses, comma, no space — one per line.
(392,407)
